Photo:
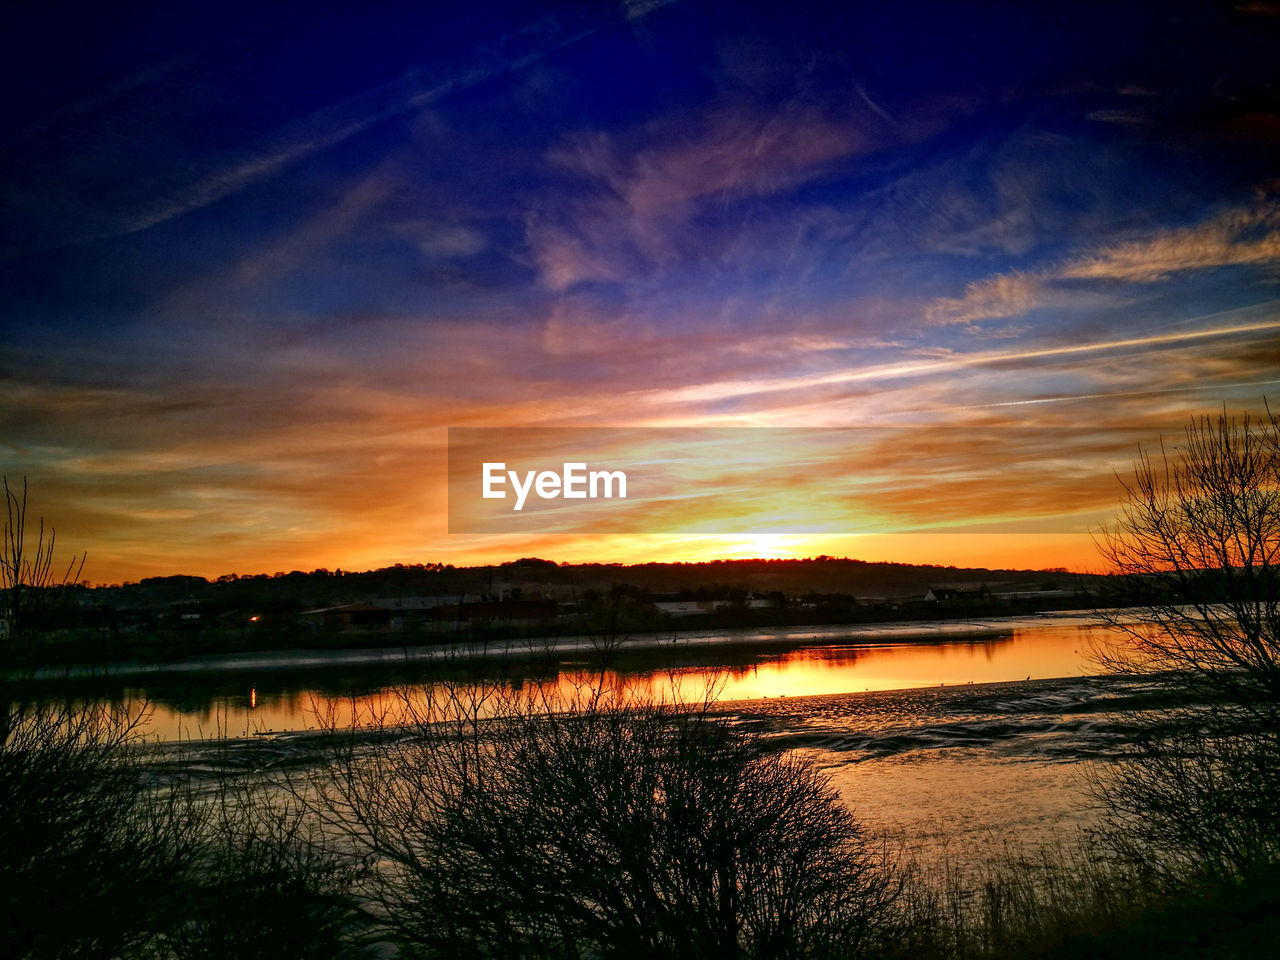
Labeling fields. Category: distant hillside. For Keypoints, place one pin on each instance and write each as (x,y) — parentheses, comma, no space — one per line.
(535,577)
(168,618)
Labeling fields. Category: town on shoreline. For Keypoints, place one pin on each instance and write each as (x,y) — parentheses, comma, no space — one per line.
(177,618)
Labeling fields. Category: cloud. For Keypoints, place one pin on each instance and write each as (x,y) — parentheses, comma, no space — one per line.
(1128,118)
(790,344)
(1245,236)
(576,332)
(1008,194)
(638,9)
(1004,295)
(735,153)
(565,257)
(447,241)
(641,189)
(339,122)
(1240,237)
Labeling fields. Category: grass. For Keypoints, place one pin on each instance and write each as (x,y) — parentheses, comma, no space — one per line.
(1071,904)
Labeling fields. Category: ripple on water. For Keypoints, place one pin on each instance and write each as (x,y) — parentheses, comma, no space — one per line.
(968,773)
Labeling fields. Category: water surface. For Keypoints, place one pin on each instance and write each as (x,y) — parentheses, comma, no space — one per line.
(962,745)
(254,700)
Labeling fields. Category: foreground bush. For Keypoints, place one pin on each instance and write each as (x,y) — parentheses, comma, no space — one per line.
(266,886)
(609,831)
(92,862)
(100,859)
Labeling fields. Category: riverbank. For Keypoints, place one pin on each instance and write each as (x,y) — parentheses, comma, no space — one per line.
(524,649)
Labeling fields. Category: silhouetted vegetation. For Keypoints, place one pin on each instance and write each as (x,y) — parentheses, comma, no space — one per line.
(32,592)
(1070,903)
(101,858)
(266,884)
(1197,545)
(596,827)
(590,831)
(90,857)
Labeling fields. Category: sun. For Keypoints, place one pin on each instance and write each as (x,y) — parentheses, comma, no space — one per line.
(760,546)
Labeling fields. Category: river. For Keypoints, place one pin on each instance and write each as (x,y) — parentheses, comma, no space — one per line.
(963,746)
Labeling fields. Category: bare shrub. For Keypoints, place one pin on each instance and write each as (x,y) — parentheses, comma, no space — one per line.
(511,825)
(266,884)
(92,858)
(31,588)
(1196,548)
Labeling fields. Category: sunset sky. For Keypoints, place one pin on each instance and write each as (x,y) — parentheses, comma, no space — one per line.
(256,260)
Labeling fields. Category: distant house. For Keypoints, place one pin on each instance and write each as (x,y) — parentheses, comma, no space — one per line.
(958,594)
(1036,594)
(237,619)
(498,612)
(347,615)
(674,606)
(185,614)
(415,603)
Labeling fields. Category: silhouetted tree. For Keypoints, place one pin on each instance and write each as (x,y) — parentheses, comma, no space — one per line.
(30,587)
(1196,547)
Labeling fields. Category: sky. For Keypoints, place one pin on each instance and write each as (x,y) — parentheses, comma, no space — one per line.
(257,259)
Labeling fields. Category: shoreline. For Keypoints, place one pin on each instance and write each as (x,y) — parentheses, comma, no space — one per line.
(273,740)
(916,631)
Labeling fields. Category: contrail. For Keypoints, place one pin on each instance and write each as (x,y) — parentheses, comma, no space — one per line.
(1067,398)
(721,391)
(338,122)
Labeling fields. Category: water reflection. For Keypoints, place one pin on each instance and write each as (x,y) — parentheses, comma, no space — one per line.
(216,705)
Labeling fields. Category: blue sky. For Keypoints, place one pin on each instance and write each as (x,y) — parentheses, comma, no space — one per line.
(255,262)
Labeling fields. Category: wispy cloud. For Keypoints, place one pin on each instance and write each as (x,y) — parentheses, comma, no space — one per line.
(1241,237)
(1004,295)
(1248,236)
(636,9)
(154,191)
(642,188)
